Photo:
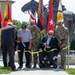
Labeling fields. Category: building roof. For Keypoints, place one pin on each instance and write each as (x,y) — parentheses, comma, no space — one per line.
(6,0)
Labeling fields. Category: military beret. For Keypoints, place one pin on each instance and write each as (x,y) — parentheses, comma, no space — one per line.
(59,23)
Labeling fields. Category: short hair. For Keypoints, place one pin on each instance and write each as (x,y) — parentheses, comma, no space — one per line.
(32,22)
(9,23)
(51,31)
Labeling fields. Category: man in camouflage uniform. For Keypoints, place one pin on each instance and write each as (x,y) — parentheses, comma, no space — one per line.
(35,31)
(61,33)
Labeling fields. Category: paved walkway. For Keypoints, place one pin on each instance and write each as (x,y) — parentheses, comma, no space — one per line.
(37,71)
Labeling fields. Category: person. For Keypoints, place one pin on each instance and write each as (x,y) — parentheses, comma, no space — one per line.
(62,33)
(35,31)
(15,41)
(48,43)
(24,42)
(7,45)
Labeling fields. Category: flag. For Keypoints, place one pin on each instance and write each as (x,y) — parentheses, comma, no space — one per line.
(33,12)
(7,15)
(40,23)
(50,17)
(59,13)
(0,20)
(0,17)
(5,18)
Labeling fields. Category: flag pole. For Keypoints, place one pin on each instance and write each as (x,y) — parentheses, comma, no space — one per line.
(7,2)
(68,51)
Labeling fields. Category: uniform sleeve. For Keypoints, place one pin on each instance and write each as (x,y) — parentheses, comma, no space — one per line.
(66,37)
(38,34)
(56,33)
(30,35)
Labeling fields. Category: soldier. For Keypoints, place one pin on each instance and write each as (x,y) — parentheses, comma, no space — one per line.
(61,33)
(35,31)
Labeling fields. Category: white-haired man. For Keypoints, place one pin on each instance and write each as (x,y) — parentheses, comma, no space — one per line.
(7,45)
(48,43)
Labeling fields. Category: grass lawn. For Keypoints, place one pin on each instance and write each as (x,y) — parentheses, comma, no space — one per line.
(70,71)
(4,70)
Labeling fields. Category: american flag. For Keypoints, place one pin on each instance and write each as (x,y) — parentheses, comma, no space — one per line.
(33,12)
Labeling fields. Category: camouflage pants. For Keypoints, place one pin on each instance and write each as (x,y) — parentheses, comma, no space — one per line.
(34,56)
(35,59)
(63,57)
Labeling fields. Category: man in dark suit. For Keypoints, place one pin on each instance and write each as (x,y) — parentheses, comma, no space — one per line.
(7,45)
(48,43)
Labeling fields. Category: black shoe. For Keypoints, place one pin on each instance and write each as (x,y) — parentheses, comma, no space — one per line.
(19,67)
(14,70)
(5,66)
(9,64)
(28,67)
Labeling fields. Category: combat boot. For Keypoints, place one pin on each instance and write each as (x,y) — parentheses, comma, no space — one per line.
(34,66)
(62,67)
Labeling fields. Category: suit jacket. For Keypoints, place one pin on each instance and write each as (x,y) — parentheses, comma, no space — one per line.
(53,42)
(7,36)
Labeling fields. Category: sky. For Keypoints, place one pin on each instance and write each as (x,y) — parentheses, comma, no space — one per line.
(17,14)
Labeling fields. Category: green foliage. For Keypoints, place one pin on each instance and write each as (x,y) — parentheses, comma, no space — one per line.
(5,70)
(17,23)
(72,46)
(71,71)
(24,23)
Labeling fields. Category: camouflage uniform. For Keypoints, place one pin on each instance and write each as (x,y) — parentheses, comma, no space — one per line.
(35,31)
(62,36)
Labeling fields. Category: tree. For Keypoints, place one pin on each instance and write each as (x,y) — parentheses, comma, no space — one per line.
(17,23)
(24,23)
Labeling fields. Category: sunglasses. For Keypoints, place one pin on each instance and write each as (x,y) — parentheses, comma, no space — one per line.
(50,34)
